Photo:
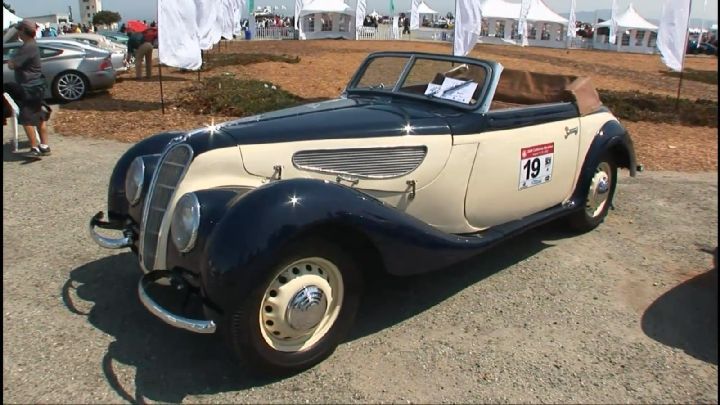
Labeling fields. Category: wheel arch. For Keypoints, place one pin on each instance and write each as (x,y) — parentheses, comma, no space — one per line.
(612,139)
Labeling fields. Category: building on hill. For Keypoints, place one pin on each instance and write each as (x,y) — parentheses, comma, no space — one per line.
(88,9)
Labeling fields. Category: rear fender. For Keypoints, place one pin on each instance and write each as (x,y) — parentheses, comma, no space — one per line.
(612,138)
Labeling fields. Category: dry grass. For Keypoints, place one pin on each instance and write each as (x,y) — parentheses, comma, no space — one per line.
(131,110)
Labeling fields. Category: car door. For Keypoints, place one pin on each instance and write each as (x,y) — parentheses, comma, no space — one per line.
(521,171)
(8,52)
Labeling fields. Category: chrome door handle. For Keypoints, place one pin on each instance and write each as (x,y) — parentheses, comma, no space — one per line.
(569,131)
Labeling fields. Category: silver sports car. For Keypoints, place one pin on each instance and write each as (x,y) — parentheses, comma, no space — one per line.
(71,69)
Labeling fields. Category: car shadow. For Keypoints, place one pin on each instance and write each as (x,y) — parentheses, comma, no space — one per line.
(685,317)
(171,363)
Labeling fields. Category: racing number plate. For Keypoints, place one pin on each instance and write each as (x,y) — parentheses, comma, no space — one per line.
(536,164)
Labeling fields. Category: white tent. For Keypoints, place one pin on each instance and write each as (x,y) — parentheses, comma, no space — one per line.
(501,9)
(630,19)
(9,18)
(539,11)
(326,19)
(425,9)
(636,33)
(374,14)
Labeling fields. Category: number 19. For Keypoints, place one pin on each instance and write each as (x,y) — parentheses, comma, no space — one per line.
(532,168)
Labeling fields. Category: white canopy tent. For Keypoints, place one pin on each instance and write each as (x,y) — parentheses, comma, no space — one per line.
(425,9)
(9,19)
(500,18)
(326,19)
(636,34)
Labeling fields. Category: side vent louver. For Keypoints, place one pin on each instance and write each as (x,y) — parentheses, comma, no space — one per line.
(372,163)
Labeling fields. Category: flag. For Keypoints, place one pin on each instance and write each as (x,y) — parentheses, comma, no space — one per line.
(414,16)
(178,39)
(359,16)
(392,8)
(237,20)
(571,31)
(468,20)
(209,31)
(672,33)
(227,15)
(522,23)
(613,22)
(252,24)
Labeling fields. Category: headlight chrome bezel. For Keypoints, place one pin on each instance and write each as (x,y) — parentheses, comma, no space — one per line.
(136,174)
(184,231)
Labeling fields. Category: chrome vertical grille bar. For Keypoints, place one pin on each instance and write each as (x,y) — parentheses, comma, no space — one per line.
(170,171)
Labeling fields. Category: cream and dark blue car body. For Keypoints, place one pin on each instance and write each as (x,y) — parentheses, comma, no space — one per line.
(395,178)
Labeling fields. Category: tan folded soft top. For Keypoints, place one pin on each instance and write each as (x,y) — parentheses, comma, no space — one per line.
(524,87)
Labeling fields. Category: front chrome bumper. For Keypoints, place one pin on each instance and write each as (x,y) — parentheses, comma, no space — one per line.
(109,243)
(192,325)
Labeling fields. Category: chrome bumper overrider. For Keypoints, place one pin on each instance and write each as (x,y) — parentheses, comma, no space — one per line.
(193,325)
(109,243)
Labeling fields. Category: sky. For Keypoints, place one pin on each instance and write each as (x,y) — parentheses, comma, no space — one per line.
(146,9)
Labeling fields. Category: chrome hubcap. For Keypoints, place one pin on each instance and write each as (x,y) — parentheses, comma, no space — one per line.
(71,86)
(306,308)
(598,194)
(301,304)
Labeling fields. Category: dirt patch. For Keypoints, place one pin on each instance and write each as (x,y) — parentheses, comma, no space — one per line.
(131,110)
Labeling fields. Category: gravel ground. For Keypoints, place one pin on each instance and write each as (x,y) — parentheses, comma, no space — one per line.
(626,313)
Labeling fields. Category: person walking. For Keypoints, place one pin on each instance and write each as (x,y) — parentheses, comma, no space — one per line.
(406,24)
(32,85)
(141,49)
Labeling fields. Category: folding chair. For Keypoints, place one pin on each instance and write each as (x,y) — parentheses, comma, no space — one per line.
(16,112)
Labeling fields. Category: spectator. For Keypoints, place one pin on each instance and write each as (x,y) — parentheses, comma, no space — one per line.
(141,47)
(28,74)
(405,23)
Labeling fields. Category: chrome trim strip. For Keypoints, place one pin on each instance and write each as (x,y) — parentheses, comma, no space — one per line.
(192,325)
(151,191)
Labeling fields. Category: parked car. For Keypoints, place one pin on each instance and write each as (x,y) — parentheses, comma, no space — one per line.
(71,69)
(118,57)
(273,221)
(117,37)
(119,52)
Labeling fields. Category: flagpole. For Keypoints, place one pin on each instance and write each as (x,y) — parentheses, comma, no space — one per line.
(157,18)
(682,61)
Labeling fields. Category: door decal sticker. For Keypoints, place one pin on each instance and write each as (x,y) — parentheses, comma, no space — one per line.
(536,164)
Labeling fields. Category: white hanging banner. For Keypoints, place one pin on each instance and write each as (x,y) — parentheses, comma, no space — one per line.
(672,33)
(522,22)
(468,20)
(395,27)
(178,39)
(571,31)
(237,19)
(359,17)
(227,14)
(208,30)
(298,7)
(613,23)
(414,15)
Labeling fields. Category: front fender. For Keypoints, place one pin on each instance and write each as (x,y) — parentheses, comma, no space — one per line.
(246,242)
(612,138)
(117,202)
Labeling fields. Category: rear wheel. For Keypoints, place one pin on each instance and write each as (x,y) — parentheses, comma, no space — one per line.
(301,312)
(598,198)
(70,86)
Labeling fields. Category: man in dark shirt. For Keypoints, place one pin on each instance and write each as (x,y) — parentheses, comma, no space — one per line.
(28,74)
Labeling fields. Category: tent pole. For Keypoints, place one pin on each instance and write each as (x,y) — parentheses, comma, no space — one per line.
(162,97)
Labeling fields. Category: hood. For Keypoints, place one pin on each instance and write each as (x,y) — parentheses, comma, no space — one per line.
(337,119)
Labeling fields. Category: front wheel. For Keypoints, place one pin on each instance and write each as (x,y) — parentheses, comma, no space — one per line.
(301,312)
(598,198)
(70,86)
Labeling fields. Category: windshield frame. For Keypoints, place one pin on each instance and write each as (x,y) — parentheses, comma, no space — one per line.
(492,69)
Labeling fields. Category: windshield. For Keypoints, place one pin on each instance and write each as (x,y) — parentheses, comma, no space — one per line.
(444,79)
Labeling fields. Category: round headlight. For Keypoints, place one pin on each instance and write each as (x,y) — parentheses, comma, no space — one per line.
(185,222)
(134,179)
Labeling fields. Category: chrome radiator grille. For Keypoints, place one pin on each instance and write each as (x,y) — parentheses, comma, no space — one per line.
(170,171)
(367,162)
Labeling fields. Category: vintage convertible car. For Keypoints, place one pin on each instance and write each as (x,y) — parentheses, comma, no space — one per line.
(273,221)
